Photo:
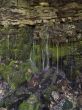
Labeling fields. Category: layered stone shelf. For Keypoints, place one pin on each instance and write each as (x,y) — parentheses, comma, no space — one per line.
(40,14)
(66,17)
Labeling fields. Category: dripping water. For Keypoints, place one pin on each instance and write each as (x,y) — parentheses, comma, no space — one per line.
(43,59)
(32,56)
(61,66)
(47,51)
(45,45)
(57,46)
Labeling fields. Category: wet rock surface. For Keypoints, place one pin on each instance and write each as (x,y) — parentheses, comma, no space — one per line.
(33,34)
(44,79)
(62,98)
(4,88)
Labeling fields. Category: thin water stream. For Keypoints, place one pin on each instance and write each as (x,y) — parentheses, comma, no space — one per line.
(57,46)
(43,59)
(47,51)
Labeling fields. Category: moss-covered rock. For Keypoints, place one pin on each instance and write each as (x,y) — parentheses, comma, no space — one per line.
(31,104)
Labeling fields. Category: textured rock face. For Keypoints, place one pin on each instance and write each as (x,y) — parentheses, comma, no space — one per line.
(41,13)
(63,19)
(3,89)
(30,16)
(22,23)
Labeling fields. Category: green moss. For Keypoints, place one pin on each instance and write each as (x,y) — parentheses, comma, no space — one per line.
(15,54)
(62,51)
(15,73)
(31,104)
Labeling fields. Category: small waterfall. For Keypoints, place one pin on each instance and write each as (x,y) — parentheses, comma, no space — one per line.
(43,59)
(47,51)
(31,60)
(61,48)
(57,46)
(32,57)
(45,46)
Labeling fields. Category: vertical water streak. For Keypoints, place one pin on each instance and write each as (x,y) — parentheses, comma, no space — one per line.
(47,50)
(57,46)
(33,51)
(61,47)
(32,56)
(43,59)
(45,45)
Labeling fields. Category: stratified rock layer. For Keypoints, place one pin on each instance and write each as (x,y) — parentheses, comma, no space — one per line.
(63,20)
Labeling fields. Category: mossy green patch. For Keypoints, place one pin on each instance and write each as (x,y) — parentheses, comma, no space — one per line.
(31,104)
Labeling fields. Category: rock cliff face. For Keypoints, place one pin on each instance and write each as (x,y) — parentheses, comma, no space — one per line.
(32,27)
(36,35)
(57,15)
